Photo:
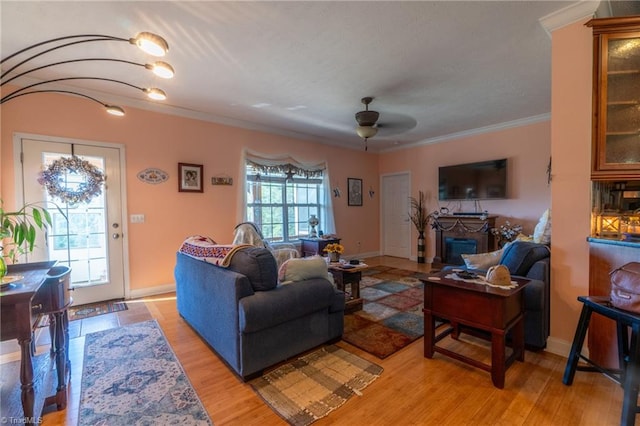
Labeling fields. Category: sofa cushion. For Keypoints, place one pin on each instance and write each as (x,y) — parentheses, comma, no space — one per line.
(258,265)
(521,255)
(300,269)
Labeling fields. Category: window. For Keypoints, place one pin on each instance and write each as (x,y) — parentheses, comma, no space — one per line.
(281,203)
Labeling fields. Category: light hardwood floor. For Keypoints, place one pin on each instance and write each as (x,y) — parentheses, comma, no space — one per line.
(412,390)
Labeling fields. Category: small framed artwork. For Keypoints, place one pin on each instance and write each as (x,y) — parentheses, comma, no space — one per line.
(190,177)
(355,192)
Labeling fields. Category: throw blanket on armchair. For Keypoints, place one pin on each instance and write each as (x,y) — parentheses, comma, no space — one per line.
(204,248)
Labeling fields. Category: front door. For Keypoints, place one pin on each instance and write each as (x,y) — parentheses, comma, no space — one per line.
(396,224)
(91,240)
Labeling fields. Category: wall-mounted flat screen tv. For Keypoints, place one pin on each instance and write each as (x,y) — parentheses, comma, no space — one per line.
(486,180)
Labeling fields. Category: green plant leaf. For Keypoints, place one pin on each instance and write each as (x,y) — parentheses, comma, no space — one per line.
(37,217)
(47,216)
(31,237)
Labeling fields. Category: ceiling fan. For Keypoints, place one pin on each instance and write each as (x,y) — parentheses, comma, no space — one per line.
(366,121)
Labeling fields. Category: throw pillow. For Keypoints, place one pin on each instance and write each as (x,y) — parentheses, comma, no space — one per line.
(519,256)
(542,231)
(482,261)
(304,268)
(258,265)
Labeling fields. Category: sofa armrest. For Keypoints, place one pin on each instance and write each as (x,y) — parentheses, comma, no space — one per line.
(207,298)
(285,303)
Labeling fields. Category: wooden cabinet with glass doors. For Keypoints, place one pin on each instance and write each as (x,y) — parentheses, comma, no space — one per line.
(616,100)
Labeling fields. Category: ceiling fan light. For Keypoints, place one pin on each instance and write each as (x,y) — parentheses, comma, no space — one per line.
(156,94)
(115,110)
(161,69)
(366,132)
(151,43)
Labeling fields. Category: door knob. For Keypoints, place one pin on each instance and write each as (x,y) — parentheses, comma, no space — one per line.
(116,236)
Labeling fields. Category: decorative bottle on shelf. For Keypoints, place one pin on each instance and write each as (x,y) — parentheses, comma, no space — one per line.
(313,222)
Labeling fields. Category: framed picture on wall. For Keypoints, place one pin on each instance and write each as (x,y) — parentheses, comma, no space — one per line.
(190,177)
(354,187)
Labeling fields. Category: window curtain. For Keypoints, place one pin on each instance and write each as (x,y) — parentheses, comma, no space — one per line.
(326,205)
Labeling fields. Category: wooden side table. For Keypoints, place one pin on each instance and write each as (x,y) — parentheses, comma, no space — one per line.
(313,246)
(478,306)
(351,277)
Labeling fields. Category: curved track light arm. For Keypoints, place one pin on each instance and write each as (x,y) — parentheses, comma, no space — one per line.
(112,109)
(16,92)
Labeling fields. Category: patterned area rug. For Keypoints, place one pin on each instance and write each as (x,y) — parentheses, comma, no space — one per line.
(314,385)
(97,308)
(131,376)
(391,316)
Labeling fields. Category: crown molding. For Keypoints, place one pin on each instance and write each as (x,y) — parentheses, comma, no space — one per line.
(473,132)
(568,15)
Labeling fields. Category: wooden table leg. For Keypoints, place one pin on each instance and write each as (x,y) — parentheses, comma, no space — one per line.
(498,366)
(518,339)
(429,335)
(26,376)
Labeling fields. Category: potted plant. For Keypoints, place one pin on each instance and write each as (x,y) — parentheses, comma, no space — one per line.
(420,220)
(18,231)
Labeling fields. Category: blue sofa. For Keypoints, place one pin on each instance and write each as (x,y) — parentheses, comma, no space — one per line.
(249,320)
(530,260)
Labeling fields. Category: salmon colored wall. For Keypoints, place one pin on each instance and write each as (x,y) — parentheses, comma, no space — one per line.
(527,149)
(571,80)
(158,140)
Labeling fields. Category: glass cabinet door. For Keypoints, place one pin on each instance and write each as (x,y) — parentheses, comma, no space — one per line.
(620,102)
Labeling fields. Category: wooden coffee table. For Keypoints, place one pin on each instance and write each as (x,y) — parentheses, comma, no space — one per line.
(349,275)
(480,307)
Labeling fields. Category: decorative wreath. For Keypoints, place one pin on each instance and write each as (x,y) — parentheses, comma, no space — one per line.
(53,178)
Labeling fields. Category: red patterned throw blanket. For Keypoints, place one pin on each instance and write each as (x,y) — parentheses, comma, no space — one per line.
(204,248)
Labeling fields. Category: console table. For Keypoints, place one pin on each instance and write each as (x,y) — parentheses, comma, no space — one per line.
(461,229)
(41,290)
(313,246)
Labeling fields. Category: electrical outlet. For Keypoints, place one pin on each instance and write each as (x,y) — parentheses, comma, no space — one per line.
(137,218)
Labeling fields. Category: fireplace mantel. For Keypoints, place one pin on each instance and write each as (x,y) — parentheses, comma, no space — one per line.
(452,228)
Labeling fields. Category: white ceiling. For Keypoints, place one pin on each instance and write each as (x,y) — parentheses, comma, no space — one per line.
(300,68)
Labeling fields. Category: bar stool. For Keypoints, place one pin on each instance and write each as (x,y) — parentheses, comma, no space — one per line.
(628,352)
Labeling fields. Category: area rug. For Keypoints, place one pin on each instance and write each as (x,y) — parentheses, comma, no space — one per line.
(131,376)
(310,387)
(97,308)
(391,316)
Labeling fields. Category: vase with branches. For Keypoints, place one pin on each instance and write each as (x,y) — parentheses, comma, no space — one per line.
(420,219)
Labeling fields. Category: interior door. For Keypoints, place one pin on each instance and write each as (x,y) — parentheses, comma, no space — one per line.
(395,215)
(90,241)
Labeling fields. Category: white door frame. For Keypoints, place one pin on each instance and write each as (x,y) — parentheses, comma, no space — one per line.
(19,192)
(381,214)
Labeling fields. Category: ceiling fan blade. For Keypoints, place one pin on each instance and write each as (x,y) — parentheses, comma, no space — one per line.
(395,124)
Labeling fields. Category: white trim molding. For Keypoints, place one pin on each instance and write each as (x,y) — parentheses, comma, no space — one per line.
(568,15)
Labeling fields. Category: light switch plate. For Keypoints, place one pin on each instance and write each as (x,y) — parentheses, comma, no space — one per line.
(137,218)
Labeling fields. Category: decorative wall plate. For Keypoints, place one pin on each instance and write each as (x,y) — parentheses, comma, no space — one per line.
(153,176)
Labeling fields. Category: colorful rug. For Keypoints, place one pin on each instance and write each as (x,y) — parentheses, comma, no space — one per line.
(130,376)
(391,316)
(310,387)
(95,309)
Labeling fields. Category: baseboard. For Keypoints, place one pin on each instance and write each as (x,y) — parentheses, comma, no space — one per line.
(562,347)
(362,255)
(152,291)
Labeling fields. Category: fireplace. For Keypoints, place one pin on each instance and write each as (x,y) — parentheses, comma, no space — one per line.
(459,234)
(455,247)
